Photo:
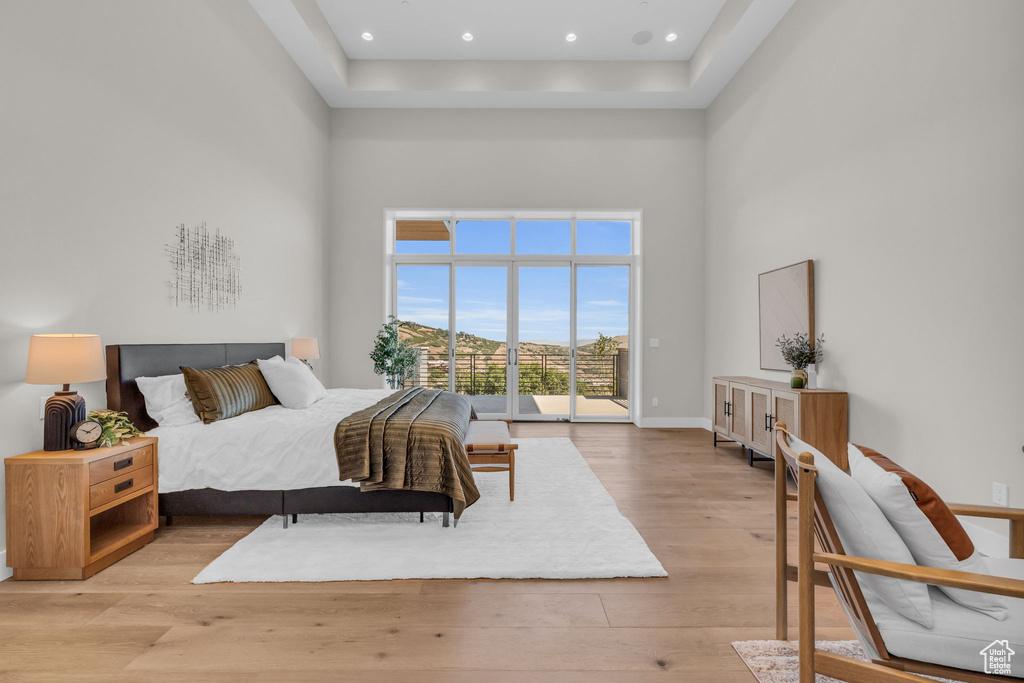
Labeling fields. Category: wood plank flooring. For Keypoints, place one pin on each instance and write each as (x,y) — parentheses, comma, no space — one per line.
(703,511)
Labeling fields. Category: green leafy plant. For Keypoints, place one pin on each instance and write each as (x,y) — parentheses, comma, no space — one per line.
(393,357)
(798,351)
(605,344)
(116,426)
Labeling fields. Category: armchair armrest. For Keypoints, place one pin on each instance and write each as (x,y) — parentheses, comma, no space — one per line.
(990,511)
(1014,515)
(983,583)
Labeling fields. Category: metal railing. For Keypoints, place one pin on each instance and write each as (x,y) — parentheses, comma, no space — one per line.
(540,374)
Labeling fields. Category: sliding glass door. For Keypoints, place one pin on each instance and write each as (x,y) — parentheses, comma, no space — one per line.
(481,343)
(602,342)
(542,357)
(529,319)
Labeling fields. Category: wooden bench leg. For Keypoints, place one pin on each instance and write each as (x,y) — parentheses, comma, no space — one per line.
(512,475)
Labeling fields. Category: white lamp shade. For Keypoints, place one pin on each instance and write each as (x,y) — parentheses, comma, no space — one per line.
(65,359)
(305,348)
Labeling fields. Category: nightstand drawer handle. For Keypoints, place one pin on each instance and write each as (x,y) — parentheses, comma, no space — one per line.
(121,464)
(127,484)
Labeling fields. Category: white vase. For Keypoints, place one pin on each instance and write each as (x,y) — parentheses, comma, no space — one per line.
(812,376)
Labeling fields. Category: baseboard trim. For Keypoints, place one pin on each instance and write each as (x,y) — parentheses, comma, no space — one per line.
(5,571)
(986,541)
(675,423)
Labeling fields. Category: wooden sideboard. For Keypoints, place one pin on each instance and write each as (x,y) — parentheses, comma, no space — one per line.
(747,408)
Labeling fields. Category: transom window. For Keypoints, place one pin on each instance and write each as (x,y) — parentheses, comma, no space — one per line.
(513,237)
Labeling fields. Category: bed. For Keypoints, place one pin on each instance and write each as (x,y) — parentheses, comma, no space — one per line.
(295,475)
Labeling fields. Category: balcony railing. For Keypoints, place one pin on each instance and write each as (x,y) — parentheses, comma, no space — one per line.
(540,374)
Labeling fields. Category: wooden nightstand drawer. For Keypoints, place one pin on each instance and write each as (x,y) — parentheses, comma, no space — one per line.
(120,486)
(117,465)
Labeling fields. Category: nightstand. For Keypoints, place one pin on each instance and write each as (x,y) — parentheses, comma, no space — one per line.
(72,513)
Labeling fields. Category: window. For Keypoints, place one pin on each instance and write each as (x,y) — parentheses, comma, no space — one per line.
(483,237)
(540,237)
(543,237)
(422,237)
(603,237)
(529,316)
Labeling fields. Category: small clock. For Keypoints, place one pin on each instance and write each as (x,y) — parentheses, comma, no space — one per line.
(86,434)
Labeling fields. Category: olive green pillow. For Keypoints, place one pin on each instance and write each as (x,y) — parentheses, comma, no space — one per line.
(220,393)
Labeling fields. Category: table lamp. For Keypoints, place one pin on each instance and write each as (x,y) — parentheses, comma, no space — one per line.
(64,359)
(305,348)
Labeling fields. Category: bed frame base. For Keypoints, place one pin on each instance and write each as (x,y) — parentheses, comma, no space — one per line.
(322,500)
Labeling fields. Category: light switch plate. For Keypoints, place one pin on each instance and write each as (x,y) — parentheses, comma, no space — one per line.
(654,402)
(1000,494)
(654,343)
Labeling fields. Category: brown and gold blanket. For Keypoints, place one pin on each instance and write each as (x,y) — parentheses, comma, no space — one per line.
(411,440)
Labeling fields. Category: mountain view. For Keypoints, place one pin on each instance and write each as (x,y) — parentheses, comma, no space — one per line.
(436,341)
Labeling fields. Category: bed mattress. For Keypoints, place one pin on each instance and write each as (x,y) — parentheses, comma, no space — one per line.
(266,450)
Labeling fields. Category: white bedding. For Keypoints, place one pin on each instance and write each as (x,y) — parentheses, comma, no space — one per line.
(270,449)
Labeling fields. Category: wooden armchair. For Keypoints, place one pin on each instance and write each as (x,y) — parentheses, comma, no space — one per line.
(814,521)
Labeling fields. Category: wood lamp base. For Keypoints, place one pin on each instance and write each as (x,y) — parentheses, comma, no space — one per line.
(63,410)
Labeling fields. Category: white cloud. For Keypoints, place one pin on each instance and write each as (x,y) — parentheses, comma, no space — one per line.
(607,302)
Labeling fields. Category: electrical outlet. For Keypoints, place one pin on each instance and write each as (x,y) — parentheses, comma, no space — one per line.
(654,402)
(1000,494)
(654,343)
(42,407)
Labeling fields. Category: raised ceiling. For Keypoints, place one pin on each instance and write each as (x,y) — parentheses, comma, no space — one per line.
(519,55)
(519,29)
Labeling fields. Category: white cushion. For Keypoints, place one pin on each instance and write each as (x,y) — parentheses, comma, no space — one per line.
(487,433)
(924,522)
(167,401)
(958,634)
(865,532)
(292,382)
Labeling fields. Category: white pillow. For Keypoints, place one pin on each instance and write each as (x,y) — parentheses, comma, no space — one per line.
(167,401)
(865,532)
(928,527)
(292,382)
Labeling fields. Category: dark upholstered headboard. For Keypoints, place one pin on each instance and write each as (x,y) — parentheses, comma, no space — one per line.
(125,362)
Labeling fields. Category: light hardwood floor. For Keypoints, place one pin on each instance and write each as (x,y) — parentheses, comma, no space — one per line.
(703,511)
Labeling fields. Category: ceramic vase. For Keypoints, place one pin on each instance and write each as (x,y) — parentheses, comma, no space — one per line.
(799,379)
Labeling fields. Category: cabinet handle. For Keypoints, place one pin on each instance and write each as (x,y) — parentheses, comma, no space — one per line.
(126,484)
(121,464)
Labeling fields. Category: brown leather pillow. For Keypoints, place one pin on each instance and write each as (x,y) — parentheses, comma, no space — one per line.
(220,393)
(925,523)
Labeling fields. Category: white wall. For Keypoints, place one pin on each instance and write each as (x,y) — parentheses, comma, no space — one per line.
(884,140)
(119,120)
(525,159)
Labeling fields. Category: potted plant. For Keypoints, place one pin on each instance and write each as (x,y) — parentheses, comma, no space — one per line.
(799,352)
(392,356)
(116,427)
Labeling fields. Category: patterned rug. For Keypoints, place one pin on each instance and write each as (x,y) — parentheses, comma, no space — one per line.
(777,661)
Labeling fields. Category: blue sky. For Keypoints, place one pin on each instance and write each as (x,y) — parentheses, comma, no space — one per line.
(481,294)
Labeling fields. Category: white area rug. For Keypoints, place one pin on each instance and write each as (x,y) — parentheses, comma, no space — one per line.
(778,661)
(562,525)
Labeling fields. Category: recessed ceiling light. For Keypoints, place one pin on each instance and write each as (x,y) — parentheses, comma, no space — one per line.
(670,37)
(571,37)
(467,37)
(367,36)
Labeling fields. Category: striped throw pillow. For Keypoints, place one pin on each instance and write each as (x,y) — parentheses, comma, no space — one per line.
(220,393)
